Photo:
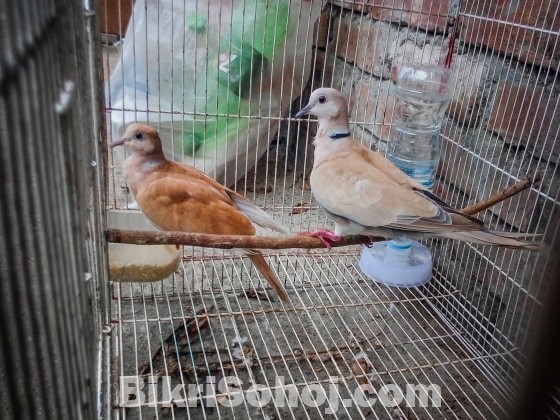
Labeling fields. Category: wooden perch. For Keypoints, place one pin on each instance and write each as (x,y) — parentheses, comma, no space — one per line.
(140,237)
(502,195)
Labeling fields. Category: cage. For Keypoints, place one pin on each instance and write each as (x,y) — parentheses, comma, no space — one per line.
(221,82)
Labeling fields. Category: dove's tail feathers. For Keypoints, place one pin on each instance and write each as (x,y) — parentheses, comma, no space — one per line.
(515,235)
(254,213)
(493,237)
(258,260)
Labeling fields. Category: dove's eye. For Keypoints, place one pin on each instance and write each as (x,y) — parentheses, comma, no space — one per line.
(138,136)
(322,99)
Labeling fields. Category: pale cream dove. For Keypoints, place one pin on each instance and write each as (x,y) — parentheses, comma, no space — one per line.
(366,194)
(177,197)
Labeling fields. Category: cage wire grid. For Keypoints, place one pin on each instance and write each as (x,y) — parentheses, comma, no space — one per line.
(319,334)
(340,330)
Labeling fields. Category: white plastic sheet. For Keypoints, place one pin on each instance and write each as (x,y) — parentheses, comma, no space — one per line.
(214,76)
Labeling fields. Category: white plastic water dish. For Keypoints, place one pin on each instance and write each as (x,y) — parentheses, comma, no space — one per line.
(397,263)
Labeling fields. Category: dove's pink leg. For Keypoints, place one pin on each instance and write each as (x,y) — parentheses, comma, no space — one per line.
(326,236)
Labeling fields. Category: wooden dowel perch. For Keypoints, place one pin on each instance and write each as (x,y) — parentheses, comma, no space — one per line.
(141,237)
(502,195)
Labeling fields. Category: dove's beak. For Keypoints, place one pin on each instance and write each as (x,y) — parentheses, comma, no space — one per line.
(121,142)
(304,111)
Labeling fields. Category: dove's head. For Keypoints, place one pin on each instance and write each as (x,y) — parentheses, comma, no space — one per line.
(326,104)
(141,139)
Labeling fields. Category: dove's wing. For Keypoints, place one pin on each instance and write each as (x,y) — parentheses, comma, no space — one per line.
(254,213)
(349,186)
(370,193)
(191,205)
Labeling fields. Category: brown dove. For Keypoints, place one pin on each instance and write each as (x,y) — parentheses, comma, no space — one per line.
(366,194)
(177,197)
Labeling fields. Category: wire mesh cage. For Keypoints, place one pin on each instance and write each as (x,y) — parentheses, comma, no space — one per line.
(221,81)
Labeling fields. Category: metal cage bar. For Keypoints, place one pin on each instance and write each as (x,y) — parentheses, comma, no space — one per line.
(52,257)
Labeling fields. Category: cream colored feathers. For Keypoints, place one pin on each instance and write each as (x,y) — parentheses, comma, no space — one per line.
(364,193)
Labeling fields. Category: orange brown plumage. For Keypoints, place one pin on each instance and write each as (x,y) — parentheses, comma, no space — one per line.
(177,197)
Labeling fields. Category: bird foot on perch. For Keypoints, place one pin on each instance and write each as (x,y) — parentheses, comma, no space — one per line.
(325,235)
